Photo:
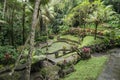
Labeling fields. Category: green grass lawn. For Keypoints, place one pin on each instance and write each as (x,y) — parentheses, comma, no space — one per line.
(71,37)
(89,40)
(56,46)
(87,69)
(92,26)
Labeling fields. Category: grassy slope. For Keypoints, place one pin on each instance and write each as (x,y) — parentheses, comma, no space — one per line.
(87,69)
(57,46)
(92,26)
(89,40)
(71,37)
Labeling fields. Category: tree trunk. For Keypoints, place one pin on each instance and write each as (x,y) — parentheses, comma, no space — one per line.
(96,25)
(0,33)
(4,8)
(83,35)
(32,36)
(23,22)
(12,30)
(42,26)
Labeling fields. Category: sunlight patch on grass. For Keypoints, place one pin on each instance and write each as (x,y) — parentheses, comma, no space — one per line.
(87,69)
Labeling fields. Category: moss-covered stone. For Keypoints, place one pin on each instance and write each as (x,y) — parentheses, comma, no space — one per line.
(50,72)
(15,76)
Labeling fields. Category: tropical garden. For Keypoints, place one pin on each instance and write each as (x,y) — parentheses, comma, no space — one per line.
(59,39)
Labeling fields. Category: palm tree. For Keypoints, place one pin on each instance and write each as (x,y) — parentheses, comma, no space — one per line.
(46,13)
(100,16)
(96,19)
(47,16)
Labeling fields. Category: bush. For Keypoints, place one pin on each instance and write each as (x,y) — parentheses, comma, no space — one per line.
(117,41)
(106,33)
(8,54)
(74,31)
(42,39)
(63,28)
(86,53)
(51,36)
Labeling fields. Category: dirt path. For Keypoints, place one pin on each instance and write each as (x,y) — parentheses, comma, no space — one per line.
(112,69)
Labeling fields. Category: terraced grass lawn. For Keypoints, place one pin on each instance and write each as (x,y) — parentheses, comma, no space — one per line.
(92,26)
(71,37)
(89,40)
(56,46)
(87,69)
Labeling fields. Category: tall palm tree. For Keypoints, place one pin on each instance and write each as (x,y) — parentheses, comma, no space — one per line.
(96,19)
(47,16)
(46,13)
(100,16)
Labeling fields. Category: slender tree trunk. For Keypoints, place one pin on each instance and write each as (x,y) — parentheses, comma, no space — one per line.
(4,8)
(47,39)
(84,28)
(96,25)
(12,30)
(0,35)
(41,22)
(23,22)
(32,36)
(9,28)
(83,32)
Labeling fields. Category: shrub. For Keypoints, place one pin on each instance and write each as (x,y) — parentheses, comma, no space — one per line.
(106,33)
(42,39)
(51,36)
(63,28)
(117,41)
(74,31)
(86,53)
(8,54)
(86,50)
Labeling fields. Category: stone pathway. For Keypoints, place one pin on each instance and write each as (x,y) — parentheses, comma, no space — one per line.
(112,68)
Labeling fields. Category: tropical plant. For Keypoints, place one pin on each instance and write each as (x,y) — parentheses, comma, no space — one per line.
(8,55)
(115,3)
(101,15)
(78,13)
